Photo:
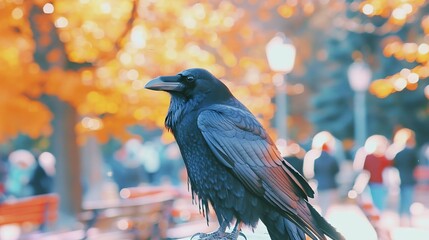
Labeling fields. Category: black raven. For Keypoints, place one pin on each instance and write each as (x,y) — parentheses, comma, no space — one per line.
(233,164)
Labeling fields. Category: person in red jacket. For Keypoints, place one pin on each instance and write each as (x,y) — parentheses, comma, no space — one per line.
(375,163)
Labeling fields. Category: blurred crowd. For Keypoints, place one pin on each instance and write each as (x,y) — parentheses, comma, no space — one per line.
(379,169)
(151,162)
(24,174)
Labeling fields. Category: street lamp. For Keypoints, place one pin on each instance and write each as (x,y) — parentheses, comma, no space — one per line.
(281,58)
(359,76)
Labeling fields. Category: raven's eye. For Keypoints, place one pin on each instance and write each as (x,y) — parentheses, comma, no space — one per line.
(190,79)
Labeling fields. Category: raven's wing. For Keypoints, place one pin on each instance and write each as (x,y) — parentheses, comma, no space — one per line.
(241,144)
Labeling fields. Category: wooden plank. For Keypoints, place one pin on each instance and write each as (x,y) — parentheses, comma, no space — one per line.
(38,209)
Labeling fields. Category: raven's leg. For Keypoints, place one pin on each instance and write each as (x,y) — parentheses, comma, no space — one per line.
(219,234)
(236,232)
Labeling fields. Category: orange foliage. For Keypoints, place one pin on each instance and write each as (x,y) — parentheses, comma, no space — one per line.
(127,43)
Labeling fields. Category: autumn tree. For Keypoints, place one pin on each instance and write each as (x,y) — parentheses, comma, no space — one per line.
(97,55)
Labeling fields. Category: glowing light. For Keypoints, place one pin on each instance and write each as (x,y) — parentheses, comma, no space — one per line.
(380,88)
(92,123)
(405,72)
(17,13)
(199,11)
(285,10)
(399,14)
(280,53)
(123,224)
(125,193)
(368,9)
(189,22)
(278,79)
(132,74)
(359,76)
(399,84)
(48,8)
(61,22)
(102,72)
(138,37)
(413,78)
(408,8)
(125,58)
(423,48)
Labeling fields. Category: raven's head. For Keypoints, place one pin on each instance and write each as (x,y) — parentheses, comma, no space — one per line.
(189,89)
(188,84)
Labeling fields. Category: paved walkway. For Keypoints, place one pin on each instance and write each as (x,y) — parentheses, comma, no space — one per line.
(348,219)
(354,225)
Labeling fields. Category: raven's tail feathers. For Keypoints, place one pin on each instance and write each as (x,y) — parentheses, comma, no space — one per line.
(324,226)
(280,228)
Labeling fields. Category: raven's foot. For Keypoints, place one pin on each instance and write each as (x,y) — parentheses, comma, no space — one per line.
(219,236)
(208,236)
(234,235)
(221,233)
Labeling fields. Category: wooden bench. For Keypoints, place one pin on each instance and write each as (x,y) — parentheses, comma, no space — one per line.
(142,211)
(38,210)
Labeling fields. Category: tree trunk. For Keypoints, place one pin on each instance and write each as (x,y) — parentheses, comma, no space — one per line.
(63,143)
(64,147)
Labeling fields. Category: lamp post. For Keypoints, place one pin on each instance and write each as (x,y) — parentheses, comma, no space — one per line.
(359,76)
(281,58)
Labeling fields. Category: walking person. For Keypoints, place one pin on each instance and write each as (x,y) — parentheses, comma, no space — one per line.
(406,162)
(321,165)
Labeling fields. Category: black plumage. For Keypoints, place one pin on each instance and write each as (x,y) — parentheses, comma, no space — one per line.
(233,164)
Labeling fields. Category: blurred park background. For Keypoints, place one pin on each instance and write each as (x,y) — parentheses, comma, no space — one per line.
(78,127)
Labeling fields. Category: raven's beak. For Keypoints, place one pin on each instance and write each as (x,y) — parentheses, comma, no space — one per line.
(165,83)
